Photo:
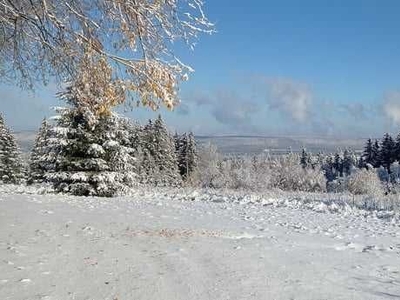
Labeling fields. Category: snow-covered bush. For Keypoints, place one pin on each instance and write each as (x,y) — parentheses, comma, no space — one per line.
(365,182)
(338,185)
(258,173)
(289,175)
(208,167)
(241,174)
(395,173)
(248,173)
(232,174)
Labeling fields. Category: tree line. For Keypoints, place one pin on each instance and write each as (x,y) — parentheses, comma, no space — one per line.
(110,158)
(382,154)
(115,154)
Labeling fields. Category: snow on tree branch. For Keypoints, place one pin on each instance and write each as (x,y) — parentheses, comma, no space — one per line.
(44,38)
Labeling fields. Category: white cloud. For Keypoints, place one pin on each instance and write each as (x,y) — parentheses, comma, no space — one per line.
(290,97)
(229,108)
(391,106)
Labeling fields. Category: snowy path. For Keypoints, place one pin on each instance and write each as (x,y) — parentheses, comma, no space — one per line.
(54,247)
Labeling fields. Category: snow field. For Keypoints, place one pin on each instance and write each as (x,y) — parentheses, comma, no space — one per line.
(187,244)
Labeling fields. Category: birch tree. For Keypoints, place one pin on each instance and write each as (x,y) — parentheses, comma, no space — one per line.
(42,39)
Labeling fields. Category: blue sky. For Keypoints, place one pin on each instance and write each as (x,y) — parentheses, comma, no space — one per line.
(315,68)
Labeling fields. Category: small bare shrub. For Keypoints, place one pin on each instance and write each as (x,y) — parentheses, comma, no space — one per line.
(364,182)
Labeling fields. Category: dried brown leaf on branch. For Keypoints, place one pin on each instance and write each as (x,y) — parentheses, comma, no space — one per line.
(93,91)
(42,39)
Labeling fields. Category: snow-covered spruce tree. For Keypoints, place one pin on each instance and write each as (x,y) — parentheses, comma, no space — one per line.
(304,159)
(161,148)
(38,164)
(93,160)
(180,150)
(187,155)
(396,150)
(386,152)
(368,154)
(337,165)
(361,164)
(376,161)
(177,142)
(348,162)
(191,154)
(327,167)
(147,168)
(94,153)
(56,137)
(11,167)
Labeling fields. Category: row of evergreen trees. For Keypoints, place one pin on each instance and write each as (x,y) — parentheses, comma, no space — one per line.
(382,154)
(105,159)
(375,155)
(334,166)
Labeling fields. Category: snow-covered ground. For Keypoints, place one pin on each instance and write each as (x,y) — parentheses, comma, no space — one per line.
(171,244)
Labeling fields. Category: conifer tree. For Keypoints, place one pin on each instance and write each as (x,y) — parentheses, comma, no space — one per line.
(368,154)
(191,154)
(11,168)
(304,158)
(37,163)
(160,145)
(147,167)
(361,163)
(181,149)
(92,145)
(386,152)
(92,160)
(177,141)
(319,161)
(328,168)
(376,162)
(187,155)
(348,162)
(396,151)
(338,165)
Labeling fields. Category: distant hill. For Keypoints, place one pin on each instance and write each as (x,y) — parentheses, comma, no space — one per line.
(278,145)
(247,144)
(25,140)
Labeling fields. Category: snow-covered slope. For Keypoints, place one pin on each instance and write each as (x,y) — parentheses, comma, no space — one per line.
(169,245)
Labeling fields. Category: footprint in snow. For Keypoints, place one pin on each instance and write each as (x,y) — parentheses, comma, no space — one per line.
(352,246)
(46,212)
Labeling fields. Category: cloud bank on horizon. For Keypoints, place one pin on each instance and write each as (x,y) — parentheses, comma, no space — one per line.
(391,106)
(296,108)
(269,106)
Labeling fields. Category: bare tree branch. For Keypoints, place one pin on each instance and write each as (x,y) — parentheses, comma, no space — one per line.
(40,39)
